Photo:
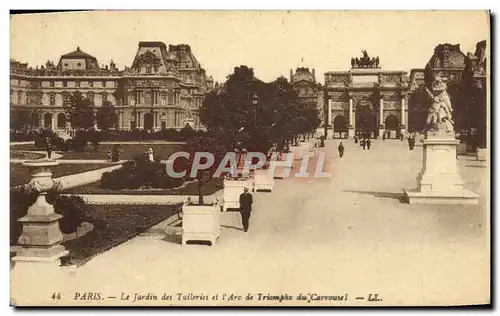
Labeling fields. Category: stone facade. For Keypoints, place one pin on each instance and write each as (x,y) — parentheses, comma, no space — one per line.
(309,91)
(164,88)
(449,62)
(366,100)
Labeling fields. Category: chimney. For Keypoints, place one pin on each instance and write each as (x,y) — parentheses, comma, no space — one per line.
(291,74)
(314,75)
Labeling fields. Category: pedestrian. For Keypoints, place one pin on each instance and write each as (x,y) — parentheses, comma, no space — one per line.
(341,150)
(383,136)
(48,147)
(110,156)
(246,201)
(368,143)
(363,143)
(356,139)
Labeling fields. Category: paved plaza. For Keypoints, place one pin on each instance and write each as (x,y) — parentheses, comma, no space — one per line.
(349,234)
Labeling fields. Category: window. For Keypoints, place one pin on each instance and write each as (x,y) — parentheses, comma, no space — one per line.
(52,98)
(51,84)
(104,96)
(90,97)
(91,84)
(148,69)
(77,84)
(64,84)
(104,84)
(19,97)
(65,98)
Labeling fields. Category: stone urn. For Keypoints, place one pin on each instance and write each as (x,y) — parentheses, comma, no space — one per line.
(41,235)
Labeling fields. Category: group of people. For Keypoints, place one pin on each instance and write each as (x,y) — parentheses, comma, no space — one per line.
(411,141)
(365,142)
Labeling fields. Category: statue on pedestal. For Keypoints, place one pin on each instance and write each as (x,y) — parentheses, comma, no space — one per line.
(439,118)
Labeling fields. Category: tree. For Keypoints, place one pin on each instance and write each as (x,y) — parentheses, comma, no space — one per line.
(208,143)
(24,119)
(79,111)
(252,114)
(107,116)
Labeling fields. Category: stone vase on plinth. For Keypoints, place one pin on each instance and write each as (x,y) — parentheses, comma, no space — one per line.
(439,181)
(38,259)
(41,235)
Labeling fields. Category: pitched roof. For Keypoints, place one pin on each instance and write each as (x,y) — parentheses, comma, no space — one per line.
(78,54)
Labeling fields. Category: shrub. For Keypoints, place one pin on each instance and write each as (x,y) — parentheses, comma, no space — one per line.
(139,173)
(72,208)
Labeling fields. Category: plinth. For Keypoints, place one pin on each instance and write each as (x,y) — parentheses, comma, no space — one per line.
(350,132)
(439,181)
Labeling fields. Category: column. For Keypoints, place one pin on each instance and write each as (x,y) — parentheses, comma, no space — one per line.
(155,120)
(352,124)
(141,119)
(403,116)
(54,123)
(329,113)
(120,120)
(381,128)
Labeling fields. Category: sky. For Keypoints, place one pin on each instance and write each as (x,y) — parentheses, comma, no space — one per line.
(271,42)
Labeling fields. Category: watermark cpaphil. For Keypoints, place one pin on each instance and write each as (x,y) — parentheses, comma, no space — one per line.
(229,164)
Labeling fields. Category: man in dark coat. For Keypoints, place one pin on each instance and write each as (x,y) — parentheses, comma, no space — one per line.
(368,143)
(246,201)
(341,150)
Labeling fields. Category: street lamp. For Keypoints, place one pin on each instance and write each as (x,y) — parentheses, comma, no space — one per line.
(255,102)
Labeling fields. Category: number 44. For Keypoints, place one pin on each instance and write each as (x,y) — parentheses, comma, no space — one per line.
(56,296)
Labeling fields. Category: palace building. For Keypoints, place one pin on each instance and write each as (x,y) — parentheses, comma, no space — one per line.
(164,87)
(309,91)
(366,99)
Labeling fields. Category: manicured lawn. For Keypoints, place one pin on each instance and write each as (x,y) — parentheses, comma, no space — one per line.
(113,225)
(163,151)
(20,174)
(25,155)
(190,189)
(25,147)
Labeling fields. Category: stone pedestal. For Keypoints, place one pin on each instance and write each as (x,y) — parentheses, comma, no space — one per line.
(350,132)
(482,154)
(200,222)
(381,132)
(40,252)
(439,181)
(402,130)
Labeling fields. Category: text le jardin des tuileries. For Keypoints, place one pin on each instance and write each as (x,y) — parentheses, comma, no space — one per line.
(229,297)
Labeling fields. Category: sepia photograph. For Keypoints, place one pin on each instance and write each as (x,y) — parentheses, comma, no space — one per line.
(250,158)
